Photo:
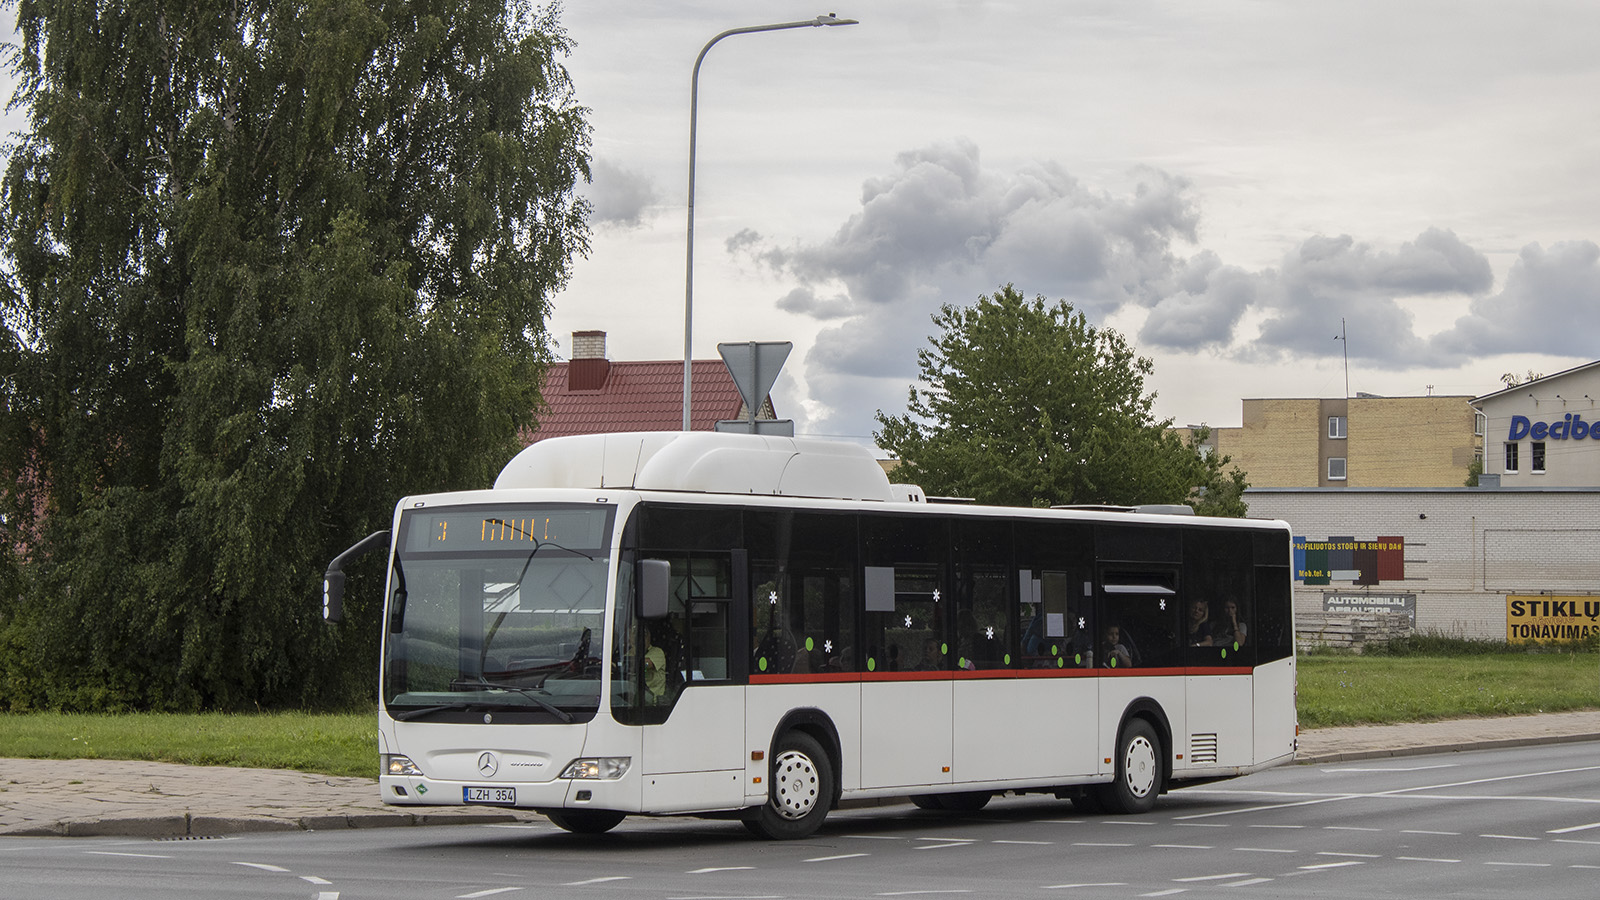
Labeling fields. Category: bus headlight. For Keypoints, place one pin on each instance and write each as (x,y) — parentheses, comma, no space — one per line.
(604,767)
(394,764)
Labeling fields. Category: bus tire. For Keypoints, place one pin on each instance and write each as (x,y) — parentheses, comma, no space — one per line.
(586,821)
(966,801)
(1138,780)
(799,790)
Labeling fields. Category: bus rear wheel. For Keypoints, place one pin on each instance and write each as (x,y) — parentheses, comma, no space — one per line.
(1138,780)
(799,790)
(586,821)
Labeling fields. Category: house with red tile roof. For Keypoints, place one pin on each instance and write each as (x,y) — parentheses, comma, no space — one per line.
(591,394)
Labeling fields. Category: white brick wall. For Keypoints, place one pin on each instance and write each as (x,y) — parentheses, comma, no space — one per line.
(1465,549)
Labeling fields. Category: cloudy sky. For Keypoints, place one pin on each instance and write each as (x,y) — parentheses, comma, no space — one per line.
(1221,182)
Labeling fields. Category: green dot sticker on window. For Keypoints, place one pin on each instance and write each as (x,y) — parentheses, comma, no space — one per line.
(1224,652)
(1113,662)
(1054,650)
(872,664)
(1236,646)
(762,663)
(1078,659)
(944,648)
(1008,659)
(962,662)
(810,645)
(1061,664)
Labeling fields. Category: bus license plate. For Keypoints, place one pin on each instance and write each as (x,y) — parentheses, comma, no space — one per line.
(501,795)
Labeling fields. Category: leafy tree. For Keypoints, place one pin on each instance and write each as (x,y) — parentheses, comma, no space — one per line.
(1026,404)
(270,266)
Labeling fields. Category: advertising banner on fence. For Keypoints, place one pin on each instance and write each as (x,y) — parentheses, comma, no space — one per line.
(1358,603)
(1542,617)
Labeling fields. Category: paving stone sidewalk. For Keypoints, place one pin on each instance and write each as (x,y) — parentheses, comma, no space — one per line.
(46,797)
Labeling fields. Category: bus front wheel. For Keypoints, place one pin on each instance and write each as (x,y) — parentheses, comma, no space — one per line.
(799,790)
(586,821)
(1138,780)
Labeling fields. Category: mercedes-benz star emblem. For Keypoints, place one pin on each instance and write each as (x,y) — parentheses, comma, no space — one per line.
(487,764)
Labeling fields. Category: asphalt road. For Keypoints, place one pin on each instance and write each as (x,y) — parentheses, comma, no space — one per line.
(1513,823)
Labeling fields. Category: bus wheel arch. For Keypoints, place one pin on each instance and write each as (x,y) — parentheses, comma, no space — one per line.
(1142,759)
(801,785)
(819,725)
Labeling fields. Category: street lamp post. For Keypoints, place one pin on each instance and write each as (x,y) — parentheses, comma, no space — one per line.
(694,104)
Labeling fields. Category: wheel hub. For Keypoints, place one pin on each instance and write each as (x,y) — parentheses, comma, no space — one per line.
(794,784)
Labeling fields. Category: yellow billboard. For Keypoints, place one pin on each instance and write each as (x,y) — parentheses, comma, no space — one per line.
(1543,617)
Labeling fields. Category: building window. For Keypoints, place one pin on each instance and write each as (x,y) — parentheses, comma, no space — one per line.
(1511,457)
(1335,468)
(1480,424)
(1538,456)
(1336,428)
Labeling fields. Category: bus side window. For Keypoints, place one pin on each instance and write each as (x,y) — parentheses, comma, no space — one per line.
(983,596)
(907,597)
(802,592)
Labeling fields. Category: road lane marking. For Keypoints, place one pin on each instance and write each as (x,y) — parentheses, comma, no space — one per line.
(947,840)
(1524,865)
(709,869)
(327,895)
(314,879)
(1090,844)
(1575,841)
(1426,859)
(1419,831)
(1125,822)
(915,893)
(1394,769)
(1202,824)
(1333,865)
(1508,837)
(601,880)
(1348,828)
(262,866)
(1574,828)
(1277,826)
(1062,887)
(1029,843)
(1359,855)
(1166,893)
(1262,850)
(1185,846)
(944,846)
(832,858)
(114,853)
(486,893)
(1247,882)
(1214,877)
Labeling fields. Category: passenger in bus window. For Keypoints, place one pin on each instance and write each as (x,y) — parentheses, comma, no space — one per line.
(655,670)
(1201,628)
(1113,652)
(1231,630)
(932,660)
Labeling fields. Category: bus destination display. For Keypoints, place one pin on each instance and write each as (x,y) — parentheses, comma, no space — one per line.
(508,529)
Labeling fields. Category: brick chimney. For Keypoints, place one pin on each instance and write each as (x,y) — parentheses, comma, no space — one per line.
(589,367)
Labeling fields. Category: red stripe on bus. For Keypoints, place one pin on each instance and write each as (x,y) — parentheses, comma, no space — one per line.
(986,675)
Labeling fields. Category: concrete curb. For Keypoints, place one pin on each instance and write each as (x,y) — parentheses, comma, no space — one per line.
(1452,747)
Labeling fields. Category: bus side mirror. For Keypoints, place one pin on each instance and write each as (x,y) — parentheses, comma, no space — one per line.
(655,588)
(333,579)
(333,597)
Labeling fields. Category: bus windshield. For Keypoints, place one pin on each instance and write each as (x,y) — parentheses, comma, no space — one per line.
(496,613)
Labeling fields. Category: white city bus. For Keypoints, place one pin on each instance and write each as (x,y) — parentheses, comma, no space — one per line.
(762,628)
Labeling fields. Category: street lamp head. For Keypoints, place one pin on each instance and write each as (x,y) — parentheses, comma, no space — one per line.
(833,19)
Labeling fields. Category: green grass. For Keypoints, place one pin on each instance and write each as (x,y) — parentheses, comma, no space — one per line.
(1350,690)
(329,744)
(1335,689)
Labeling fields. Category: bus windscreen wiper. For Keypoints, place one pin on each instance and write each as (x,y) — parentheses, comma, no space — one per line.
(556,711)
